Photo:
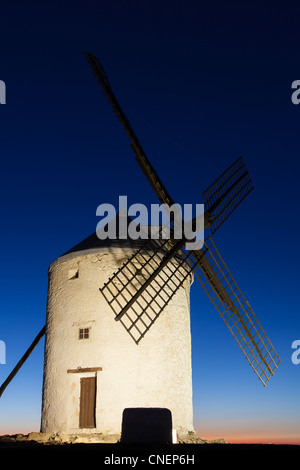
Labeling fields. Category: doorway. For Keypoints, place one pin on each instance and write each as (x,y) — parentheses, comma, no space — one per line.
(87,410)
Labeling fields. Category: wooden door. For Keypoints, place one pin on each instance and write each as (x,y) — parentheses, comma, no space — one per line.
(87,402)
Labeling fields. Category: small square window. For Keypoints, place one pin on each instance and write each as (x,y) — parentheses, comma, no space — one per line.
(84,333)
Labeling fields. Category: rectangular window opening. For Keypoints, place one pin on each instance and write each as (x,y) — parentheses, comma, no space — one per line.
(73,274)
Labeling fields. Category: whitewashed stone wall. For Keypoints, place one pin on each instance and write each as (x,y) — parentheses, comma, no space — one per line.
(155,373)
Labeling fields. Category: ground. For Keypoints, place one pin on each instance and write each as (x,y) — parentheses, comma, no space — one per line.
(63,438)
(108,450)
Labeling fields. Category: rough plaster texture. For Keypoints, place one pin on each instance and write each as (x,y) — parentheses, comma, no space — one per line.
(155,373)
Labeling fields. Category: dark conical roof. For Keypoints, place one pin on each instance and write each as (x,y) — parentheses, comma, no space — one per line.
(93,242)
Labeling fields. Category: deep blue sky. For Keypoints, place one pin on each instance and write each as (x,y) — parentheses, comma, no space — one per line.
(202,83)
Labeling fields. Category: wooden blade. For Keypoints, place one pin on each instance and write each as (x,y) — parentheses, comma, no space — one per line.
(224,195)
(141,157)
(224,293)
(22,360)
(140,290)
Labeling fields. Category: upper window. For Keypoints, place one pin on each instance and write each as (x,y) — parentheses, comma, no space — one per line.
(84,333)
(73,273)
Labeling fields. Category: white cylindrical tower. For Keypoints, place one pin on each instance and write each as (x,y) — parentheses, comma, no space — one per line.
(93,369)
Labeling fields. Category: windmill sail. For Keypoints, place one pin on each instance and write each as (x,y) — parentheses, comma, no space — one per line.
(139,308)
(224,195)
(145,284)
(230,302)
(141,157)
(22,360)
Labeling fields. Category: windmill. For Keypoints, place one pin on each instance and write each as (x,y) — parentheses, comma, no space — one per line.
(138,295)
(139,291)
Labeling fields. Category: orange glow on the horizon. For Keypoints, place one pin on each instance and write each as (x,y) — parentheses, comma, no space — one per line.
(292,440)
(231,438)
(246,436)
(236,430)
(250,438)
(12,430)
